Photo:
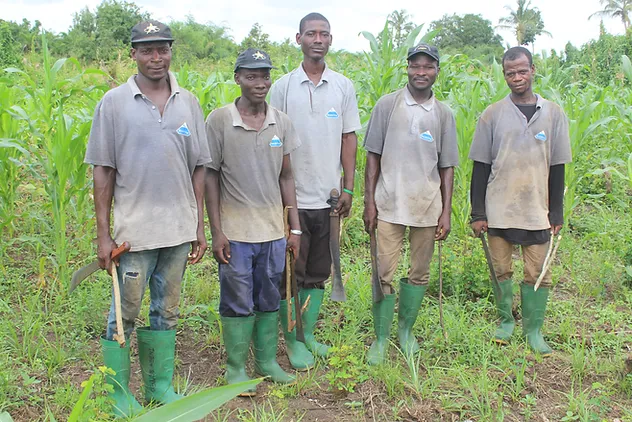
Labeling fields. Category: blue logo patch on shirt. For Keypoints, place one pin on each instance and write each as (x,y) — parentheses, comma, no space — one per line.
(275,142)
(426,136)
(541,136)
(332,114)
(184,130)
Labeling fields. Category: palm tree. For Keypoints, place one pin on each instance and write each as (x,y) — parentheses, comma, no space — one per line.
(615,9)
(399,22)
(525,22)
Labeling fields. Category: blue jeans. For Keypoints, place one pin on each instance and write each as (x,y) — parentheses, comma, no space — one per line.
(250,281)
(162,269)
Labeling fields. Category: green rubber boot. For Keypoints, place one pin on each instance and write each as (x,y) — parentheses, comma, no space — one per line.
(117,359)
(266,337)
(300,358)
(310,316)
(504,302)
(410,297)
(237,332)
(533,309)
(156,350)
(382,320)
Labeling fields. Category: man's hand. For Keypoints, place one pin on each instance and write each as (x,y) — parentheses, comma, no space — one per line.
(479,227)
(198,248)
(294,244)
(344,205)
(555,229)
(105,246)
(221,248)
(370,217)
(443,226)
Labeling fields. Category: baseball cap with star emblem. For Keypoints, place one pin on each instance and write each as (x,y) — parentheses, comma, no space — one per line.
(253,58)
(151,31)
(423,48)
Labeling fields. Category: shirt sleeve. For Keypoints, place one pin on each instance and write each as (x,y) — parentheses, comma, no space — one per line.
(561,142)
(215,138)
(556,194)
(449,156)
(350,115)
(101,149)
(478,190)
(204,156)
(377,127)
(481,148)
(277,94)
(291,140)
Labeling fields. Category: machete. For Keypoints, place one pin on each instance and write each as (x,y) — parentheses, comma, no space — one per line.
(83,272)
(337,288)
(378,294)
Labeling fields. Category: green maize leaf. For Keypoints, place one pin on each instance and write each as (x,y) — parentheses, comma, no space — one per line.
(85,394)
(196,406)
(627,67)
(5,417)
(630,169)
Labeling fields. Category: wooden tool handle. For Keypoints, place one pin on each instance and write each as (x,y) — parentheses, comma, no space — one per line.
(120,333)
(123,248)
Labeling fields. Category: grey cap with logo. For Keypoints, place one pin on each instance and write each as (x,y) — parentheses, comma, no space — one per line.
(253,58)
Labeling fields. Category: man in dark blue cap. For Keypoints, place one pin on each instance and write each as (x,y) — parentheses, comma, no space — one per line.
(249,183)
(148,147)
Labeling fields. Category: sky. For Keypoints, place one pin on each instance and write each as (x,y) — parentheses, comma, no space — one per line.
(566,20)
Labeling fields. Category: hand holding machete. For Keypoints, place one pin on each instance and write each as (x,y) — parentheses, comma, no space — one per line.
(337,287)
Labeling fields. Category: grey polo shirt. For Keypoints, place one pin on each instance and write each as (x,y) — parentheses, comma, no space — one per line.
(250,162)
(154,157)
(321,114)
(520,154)
(414,141)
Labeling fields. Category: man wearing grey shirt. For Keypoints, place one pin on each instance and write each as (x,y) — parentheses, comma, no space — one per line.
(148,148)
(322,106)
(411,154)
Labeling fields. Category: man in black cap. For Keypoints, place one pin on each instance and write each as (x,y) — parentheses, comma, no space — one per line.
(249,183)
(411,151)
(148,147)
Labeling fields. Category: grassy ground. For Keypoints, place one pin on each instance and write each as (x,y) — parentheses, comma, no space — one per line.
(49,340)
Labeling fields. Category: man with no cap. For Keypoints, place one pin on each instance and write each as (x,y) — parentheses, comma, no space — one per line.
(519,150)
(322,106)
(148,147)
(249,183)
(411,154)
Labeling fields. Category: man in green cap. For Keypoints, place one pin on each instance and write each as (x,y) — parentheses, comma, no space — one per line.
(148,147)
(247,187)
(411,154)
(519,150)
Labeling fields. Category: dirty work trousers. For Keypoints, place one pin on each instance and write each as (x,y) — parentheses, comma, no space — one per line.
(162,269)
(250,280)
(390,239)
(533,257)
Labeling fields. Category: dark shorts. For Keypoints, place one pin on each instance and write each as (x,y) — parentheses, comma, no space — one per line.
(250,281)
(313,266)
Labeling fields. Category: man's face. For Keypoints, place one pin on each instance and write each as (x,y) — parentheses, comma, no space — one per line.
(519,74)
(153,59)
(422,71)
(315,39)
(254,84)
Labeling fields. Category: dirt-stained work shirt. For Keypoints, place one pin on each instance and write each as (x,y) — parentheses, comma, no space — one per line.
(414,141)
(154,157)
(521,154)
(249,163)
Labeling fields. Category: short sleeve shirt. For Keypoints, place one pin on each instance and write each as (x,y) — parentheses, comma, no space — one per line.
(520,154)
(250,163)
(321,114)
(414,142)
(154,156)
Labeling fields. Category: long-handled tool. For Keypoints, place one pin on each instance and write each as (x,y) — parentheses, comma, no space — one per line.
(488,258)
(291,288)
(85,271)
(550,255)
(337,287)
(376,285)
(445,333)
(120,333)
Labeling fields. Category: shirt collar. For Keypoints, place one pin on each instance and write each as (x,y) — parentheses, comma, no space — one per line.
(239,122)
(304,78)
(408,98)
(173,83)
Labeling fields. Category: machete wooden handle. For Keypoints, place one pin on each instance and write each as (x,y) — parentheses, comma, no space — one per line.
(123,248)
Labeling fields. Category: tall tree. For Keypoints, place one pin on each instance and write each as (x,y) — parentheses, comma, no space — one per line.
(400,24)
(525,22)
(621,9)
(467,30)
(256,38)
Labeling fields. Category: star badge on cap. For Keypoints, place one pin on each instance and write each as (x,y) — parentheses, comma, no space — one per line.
(421,48)
(151,29)
(259,55)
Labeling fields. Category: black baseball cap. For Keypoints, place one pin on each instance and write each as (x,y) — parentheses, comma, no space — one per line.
(253,58)
(423,48)
(151,31)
